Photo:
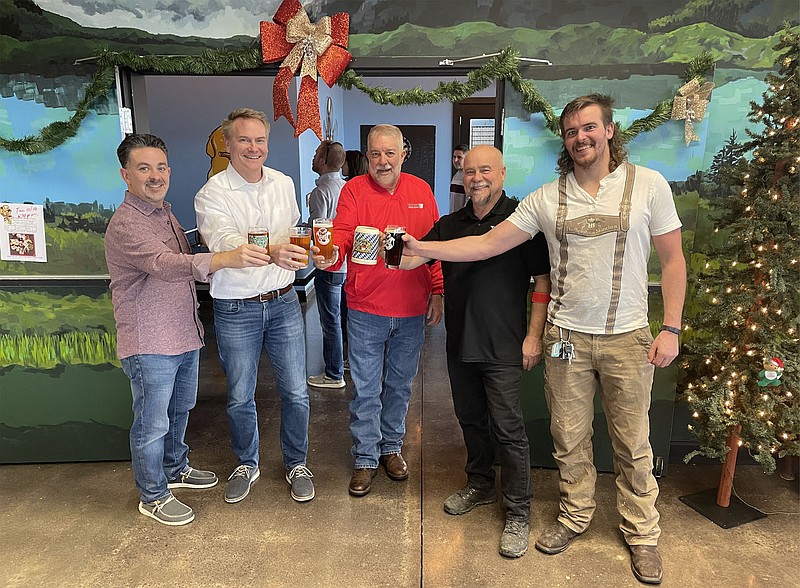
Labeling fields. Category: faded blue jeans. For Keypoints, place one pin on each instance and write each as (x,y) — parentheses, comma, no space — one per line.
(164,390)
(384,356)
(243,329)
(328,286)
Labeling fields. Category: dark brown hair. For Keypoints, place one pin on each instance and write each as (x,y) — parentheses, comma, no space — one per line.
(615,147)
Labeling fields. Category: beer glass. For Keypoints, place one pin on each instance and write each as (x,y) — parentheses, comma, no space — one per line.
(300,236)
(394,245)
(258,236)
(323,237)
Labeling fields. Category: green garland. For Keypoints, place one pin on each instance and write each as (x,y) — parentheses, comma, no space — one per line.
(504,66)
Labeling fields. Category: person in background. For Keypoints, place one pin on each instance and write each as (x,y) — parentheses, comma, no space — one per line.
(458,197)
(599,219)
(355,164)
(159,334)
(387,309)
(487,346)
(327,162)
(257,308)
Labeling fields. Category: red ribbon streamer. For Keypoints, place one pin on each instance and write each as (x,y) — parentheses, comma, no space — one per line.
(314,48)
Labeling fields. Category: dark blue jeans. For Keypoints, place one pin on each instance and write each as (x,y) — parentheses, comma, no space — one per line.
(328,286)
(486,398)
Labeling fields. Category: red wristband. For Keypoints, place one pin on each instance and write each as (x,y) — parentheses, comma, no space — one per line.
(540,297)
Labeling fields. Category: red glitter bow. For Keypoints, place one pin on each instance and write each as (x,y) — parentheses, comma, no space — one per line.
(313,48)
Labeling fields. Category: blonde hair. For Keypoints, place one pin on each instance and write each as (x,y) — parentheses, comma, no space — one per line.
(227,123)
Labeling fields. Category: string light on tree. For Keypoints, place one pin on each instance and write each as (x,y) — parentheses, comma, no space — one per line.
(750,315)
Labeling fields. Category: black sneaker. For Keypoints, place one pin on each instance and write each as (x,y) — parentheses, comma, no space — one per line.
(514,541)
(468,498)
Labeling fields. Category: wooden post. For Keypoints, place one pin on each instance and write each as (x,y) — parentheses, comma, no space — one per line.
(728,468)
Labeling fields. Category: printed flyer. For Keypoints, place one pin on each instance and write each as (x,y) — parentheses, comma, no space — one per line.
(22,232)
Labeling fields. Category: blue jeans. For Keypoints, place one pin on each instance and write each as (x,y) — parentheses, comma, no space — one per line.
(164,390)
(328,286)
(384,355)
(243,329)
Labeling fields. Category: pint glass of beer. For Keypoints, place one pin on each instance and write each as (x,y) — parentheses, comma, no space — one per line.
(301,236)
(323,237)
(258,236)
(394,245)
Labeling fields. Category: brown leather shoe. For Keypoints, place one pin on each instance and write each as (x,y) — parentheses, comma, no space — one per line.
(361,481)
(395,465)
(646,563)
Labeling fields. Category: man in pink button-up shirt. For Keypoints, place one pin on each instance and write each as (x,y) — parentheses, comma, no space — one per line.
(159,334)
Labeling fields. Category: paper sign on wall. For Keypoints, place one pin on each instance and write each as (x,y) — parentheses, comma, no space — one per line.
(22,232)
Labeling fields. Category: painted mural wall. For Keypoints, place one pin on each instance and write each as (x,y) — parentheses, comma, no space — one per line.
(58,374)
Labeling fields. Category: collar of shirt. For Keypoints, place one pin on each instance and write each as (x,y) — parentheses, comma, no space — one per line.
(143,206)
(237,182)
(503,206)
(330,176)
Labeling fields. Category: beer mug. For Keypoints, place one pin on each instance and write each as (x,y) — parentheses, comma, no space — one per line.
(365,245)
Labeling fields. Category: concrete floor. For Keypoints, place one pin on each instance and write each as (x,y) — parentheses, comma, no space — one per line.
(66,525)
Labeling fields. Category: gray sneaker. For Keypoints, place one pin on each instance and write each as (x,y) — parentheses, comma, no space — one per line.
(302,486)
(169,511)
(239,482)
(323,381)
(468,498)
(514,541)
(193,478)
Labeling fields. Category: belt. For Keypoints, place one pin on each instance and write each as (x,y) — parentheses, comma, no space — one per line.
(267,296)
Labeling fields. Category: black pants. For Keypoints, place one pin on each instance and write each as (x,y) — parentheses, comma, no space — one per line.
(486,398)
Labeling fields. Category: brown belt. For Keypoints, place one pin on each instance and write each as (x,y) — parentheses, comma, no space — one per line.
(267,296)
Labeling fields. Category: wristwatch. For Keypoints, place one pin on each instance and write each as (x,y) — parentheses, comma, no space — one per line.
(668,329)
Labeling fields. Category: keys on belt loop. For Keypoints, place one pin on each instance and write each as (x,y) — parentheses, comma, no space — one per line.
(563,348)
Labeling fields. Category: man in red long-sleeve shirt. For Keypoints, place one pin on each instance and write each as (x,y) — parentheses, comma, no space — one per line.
(387,309)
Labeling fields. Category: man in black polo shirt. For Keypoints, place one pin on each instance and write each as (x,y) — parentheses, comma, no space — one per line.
(487,346)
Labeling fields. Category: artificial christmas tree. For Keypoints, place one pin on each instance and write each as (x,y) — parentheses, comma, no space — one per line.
(750,315)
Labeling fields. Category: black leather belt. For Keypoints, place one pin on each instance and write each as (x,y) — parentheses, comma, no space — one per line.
(267,296)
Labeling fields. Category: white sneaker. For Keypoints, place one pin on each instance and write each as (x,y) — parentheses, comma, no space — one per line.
(323,381)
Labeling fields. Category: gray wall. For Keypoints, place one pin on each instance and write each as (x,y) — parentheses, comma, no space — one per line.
(184,110)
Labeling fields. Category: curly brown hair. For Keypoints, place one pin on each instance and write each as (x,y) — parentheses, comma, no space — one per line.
(615,146)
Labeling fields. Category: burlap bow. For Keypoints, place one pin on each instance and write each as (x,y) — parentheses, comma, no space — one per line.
(690,104)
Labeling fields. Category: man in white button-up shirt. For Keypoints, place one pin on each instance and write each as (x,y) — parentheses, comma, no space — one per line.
(257,308)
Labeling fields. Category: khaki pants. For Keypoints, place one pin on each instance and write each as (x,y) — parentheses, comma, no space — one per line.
(619,364)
